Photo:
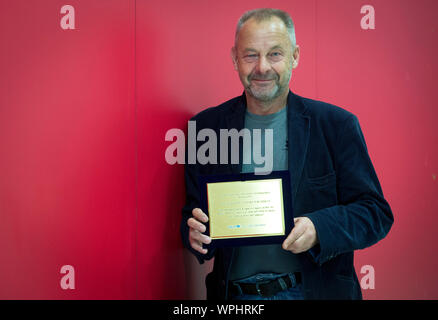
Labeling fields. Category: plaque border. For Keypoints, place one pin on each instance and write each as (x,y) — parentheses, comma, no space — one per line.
(284,175)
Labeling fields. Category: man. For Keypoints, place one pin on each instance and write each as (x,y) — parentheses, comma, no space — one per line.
(337,199)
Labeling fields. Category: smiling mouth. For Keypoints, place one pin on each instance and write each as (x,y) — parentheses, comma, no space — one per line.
(261,82)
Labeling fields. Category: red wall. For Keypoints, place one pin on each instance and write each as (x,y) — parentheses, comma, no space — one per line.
(84,112)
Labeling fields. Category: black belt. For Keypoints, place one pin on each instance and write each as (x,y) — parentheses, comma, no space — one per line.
(264,288)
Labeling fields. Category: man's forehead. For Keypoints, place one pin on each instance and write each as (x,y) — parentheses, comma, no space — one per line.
(272,29)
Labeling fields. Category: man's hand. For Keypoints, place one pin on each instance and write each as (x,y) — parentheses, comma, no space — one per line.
(197,228)
(302,237)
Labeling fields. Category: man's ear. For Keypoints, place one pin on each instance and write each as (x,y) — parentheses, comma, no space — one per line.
(234,57)
(296,57)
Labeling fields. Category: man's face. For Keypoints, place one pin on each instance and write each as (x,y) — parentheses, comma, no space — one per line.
(264,59)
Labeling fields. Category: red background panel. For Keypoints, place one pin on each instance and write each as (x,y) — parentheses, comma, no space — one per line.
(67,141)
(387,77)
(84,112)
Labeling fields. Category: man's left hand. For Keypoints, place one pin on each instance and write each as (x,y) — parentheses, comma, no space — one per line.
(302,237)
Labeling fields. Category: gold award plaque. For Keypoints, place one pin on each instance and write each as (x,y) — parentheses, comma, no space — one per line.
(241,209)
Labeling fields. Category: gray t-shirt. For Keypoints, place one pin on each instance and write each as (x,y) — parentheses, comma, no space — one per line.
(250,260)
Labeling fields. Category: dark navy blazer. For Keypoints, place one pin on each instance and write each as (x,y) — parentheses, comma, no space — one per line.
(333,183)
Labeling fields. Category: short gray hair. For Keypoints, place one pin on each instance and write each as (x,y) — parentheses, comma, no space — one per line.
(264,14)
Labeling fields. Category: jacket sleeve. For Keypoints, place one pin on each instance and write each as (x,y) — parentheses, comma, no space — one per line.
(362,216)
(192,201)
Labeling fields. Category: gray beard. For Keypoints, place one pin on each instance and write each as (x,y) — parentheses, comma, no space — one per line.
(273,94)
(265,97)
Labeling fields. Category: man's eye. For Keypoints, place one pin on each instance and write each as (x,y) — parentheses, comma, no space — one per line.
(250,57)
(275,56)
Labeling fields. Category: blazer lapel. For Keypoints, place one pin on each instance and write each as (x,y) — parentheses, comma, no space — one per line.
(236,120)
(298,139)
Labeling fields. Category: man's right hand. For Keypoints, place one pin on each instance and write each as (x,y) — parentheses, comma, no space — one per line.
(196,230)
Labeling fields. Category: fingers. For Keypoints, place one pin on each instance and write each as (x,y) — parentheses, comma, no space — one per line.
(200,215)
(197,228)
(196,225)
(299,245)
(302,237)
(198,247)
(297,231)
(197,239)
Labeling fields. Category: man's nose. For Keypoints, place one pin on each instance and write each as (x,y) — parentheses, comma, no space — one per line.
(263,65)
